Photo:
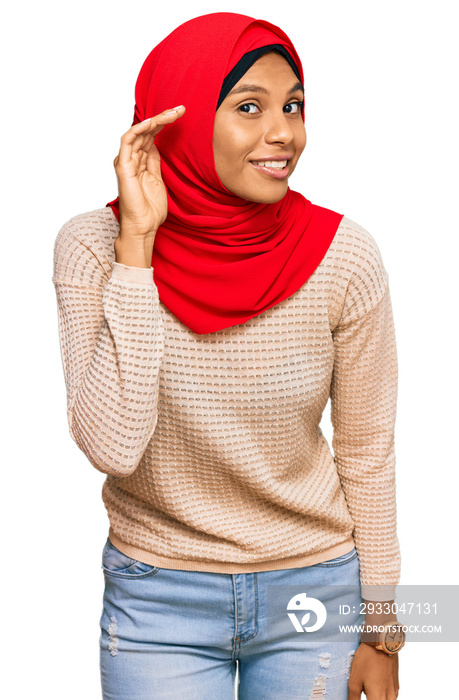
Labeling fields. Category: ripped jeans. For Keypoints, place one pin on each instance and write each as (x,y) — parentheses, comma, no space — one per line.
(168,634)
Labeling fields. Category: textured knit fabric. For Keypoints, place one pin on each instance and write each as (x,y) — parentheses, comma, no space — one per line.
(214,457)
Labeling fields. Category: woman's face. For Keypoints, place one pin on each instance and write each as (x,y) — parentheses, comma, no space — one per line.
(259,133)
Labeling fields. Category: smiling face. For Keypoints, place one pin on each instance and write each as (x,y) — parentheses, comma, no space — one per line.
(259,132)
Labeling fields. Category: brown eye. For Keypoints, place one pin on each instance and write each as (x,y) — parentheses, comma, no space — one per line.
(248,108)
(293,107)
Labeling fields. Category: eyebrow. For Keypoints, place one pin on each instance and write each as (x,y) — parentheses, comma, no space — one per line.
(258,88)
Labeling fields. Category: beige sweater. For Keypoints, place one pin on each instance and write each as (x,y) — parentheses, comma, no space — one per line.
(214,457)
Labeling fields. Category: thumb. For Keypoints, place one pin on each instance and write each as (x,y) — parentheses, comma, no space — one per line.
(153,164)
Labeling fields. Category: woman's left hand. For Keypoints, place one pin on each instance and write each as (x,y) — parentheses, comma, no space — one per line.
(375,673)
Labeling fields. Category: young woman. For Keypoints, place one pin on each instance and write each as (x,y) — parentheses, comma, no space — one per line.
(206,316)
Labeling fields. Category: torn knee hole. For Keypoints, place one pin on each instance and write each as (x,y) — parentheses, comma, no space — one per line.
(113,639)
(319,687)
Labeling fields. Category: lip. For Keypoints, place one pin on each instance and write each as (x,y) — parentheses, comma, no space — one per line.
(273,172)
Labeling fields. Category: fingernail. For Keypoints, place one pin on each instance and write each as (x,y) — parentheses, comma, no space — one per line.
(174,109)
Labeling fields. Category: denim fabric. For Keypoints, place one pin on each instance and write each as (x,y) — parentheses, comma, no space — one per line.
(168,634)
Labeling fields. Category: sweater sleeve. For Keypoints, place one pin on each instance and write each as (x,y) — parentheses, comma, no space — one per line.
(112,343)
(363,410)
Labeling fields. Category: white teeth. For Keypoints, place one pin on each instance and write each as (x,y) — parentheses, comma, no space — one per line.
(278,164)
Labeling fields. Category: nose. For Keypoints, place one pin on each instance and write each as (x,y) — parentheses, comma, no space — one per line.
(278,128)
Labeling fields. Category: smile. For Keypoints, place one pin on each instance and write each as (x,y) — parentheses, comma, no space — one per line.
(276,168)
(278,164)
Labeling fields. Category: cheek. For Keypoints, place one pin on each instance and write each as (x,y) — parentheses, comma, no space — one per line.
(238,144)
(231,151)
(300,143)
(301,138)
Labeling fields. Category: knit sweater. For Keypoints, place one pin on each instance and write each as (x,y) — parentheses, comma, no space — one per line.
(214,456)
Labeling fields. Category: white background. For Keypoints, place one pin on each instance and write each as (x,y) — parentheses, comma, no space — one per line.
(381,117)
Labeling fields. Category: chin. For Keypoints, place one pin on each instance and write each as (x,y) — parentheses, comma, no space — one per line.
(260,193)
(267,195)
(270,199)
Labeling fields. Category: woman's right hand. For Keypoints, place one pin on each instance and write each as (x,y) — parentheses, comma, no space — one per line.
(142,193)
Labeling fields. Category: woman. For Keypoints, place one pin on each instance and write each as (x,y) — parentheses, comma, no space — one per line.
(206,316)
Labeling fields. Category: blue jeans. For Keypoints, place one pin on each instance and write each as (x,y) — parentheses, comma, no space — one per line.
(168,634)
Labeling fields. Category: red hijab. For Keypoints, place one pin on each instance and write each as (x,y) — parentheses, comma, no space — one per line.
(218,259)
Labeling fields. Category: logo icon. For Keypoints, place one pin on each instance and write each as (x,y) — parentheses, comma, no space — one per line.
(303,602)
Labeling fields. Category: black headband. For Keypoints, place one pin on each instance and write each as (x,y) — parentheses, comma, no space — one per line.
(247,61)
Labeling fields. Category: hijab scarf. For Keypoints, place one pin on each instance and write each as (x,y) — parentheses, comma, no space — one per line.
(220,260)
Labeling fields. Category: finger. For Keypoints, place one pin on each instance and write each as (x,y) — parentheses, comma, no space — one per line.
(132,144)
(153,162)
(150,128)
(148,148)
(134,139)
(146,141)
(140,143)
(154,124)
